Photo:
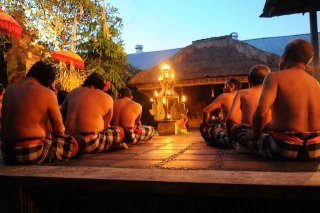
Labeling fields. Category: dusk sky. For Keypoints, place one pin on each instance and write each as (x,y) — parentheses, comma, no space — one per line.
(169,24)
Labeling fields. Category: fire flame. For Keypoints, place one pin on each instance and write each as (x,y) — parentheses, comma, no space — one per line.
(165,67)
(183,99)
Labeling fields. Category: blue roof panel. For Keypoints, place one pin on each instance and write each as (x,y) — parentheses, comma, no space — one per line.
(150,59)
(273,45)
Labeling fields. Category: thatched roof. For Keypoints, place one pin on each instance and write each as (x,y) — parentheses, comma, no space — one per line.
(214,58)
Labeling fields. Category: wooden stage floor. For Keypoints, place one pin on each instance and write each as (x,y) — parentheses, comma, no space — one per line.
(185,152)
(179,167)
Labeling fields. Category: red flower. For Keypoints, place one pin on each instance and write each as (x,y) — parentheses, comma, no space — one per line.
(106,86)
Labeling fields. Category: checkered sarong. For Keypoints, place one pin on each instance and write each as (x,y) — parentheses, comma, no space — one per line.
(139,135)
(102,141)
(37,151)
(282,146)
(216,135)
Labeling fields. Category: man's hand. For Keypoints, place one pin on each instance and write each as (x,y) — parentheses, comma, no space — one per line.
(139,124)
(247,139)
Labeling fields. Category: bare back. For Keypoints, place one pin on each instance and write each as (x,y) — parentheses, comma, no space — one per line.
(27,107)
(87,110)
(294,96)
(249,99)
(126,114)
(224,101)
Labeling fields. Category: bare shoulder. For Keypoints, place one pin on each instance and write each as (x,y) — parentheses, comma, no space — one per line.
(45,94)
(105,96)
(42,90)
(229,96)
(222,97)
(243,92)
(273,77)
(49,93)
(312,79)
(137,104)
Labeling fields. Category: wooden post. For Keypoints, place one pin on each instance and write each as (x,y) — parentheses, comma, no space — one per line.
(3,70)
(315,41)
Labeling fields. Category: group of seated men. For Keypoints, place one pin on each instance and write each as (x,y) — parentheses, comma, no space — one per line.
(34,130)
(277,117)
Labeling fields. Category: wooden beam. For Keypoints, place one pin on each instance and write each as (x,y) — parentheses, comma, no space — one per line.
(194,82)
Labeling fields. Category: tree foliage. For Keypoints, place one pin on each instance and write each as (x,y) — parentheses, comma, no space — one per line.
(85,26)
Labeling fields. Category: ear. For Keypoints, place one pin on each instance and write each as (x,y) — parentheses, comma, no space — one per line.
(106,86)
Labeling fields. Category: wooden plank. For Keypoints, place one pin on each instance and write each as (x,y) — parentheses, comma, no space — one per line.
(194,82)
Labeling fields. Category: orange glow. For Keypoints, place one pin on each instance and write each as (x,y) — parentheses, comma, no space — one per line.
(165,67)
(156,93)
(151,99)
(183,99)
(169,116)
(164,100)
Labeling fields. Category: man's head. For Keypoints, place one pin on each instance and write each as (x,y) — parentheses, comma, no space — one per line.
(43,72)
(125,92)
(231,85)
(297,51)
(257,74)
(94,80)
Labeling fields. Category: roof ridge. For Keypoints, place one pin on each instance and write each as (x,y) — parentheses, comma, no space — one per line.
(276,36)
(156,51)
(211,38)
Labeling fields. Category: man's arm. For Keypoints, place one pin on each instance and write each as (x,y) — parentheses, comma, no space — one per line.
(234,116)
(211,107)
(267,98)
(54,115)
(64,109)
(107,118)
(137,121)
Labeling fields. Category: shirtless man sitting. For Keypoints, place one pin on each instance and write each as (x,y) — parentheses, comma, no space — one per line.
(212,132)
(27,106)
(246,102)
(127,114)
(87,110)
(293,96)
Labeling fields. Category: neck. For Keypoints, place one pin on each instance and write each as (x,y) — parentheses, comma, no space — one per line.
(33,80)
(125,98)
(291,65)
(256,86)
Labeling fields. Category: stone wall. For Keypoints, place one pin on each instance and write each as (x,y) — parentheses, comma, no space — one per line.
(21,56)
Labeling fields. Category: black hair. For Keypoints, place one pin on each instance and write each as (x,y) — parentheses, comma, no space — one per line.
(95,80)
(298,50)
(125,92)
(257,74)
(43,72)
(236,83)
(62,94)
